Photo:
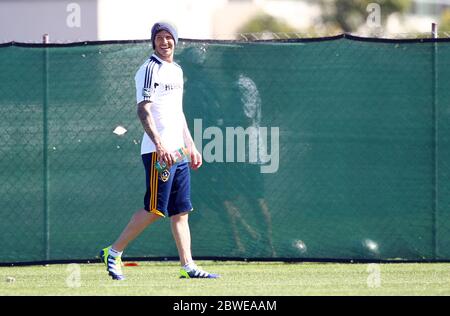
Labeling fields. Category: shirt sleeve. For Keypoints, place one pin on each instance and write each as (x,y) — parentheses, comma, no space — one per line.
(145,82)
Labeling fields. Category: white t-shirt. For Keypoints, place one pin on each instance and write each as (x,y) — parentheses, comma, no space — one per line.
(161,83)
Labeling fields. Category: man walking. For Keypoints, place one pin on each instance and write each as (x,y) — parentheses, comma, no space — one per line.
(159,90)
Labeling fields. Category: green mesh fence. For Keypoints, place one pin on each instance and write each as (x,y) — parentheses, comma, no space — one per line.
(331,149)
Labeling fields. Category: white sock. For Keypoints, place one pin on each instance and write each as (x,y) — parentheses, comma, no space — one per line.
(190,266)
(114,253)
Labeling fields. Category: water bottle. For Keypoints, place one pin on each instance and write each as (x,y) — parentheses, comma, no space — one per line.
(178,156)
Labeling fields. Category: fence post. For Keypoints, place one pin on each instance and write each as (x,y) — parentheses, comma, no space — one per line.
(434,34)
(45,40)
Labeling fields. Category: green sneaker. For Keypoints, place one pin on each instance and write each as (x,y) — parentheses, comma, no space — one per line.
(113,265)
(197,273)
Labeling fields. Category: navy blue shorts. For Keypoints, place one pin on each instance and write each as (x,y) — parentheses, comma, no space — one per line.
(168,193)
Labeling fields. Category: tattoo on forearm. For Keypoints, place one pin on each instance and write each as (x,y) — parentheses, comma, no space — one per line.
(147,123)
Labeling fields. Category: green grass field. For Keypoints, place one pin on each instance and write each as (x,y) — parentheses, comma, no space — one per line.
(238,279)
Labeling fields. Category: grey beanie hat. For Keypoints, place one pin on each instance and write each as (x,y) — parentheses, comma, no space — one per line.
(162,26)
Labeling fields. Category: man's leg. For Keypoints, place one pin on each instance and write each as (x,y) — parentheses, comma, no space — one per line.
(142,218)
(179,207)
(182,236)
(138,222)
(111,256)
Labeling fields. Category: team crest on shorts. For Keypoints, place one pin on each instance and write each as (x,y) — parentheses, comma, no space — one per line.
(164,176)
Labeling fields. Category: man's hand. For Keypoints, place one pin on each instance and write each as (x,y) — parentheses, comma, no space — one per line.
(196,158)
(164,156)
